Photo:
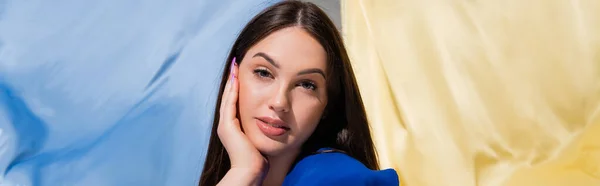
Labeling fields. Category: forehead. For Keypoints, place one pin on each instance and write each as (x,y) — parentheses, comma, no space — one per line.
(292,47)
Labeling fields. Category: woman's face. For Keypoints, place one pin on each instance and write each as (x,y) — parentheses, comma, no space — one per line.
(282,90)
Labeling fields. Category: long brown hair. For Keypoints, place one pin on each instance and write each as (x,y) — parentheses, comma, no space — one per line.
(344,127)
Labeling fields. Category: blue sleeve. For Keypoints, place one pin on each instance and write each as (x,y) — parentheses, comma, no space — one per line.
(337,169)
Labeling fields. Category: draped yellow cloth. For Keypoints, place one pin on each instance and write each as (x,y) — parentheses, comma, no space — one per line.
(463,92)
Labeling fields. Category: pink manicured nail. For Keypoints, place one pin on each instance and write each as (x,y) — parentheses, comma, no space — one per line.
(232,66)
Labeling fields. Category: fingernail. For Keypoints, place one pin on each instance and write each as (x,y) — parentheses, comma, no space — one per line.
(231,69)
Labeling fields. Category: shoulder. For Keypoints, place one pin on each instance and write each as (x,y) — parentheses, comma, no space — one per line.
(335,168)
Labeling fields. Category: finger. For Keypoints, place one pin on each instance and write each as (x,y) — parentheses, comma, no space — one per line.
(227,89)
(233,93)
(224,98)
(226,102)
(228,83)
(232,73)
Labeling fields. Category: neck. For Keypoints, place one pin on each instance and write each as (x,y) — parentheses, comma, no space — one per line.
(279,167)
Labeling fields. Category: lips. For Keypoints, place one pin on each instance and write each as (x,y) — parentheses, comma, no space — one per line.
(273,122)
(271,126)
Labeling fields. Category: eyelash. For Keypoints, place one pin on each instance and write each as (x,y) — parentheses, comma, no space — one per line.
(311,85)
(263,73)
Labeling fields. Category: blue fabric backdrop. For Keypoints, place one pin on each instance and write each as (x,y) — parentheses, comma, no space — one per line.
(111,92)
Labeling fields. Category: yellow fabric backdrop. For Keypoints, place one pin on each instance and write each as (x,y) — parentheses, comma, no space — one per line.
(463,92)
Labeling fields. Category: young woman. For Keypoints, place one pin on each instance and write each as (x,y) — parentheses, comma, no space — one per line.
(289,110)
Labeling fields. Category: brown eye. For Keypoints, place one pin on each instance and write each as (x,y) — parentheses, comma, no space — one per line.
(308,85)
(262,73)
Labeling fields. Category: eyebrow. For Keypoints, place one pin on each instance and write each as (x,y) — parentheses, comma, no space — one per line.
(266,57)
(312,70)
(303,72)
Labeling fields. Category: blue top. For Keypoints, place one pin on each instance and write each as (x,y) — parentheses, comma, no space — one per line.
(336,168)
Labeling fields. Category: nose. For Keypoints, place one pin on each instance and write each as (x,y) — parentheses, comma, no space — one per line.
(280,101)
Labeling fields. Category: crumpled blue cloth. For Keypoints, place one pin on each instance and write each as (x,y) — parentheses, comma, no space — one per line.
(112,92)
(337,168)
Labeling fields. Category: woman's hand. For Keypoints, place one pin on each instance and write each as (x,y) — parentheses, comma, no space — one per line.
(247,164)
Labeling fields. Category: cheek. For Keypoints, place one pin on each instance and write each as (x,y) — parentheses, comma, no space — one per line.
(250,98)
(244,94)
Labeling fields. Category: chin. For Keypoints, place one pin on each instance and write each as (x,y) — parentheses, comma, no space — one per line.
(268,146)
